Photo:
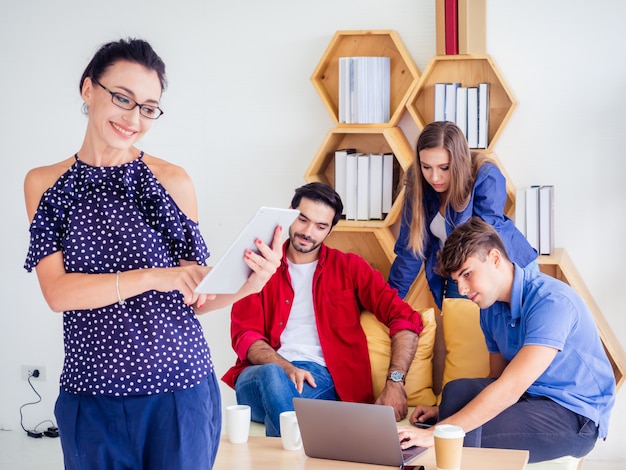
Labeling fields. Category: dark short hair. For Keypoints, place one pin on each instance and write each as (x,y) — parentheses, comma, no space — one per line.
(132,50)
(473,238)
(322,193)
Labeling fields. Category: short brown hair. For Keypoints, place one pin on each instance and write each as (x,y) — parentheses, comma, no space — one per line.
(473,238)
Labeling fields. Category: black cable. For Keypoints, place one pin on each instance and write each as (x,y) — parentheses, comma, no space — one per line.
(52,430)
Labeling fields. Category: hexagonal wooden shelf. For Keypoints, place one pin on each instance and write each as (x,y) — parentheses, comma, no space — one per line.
(374,244)
(560,266)
(366,140)
(403,76)
(469,70)
(374,240)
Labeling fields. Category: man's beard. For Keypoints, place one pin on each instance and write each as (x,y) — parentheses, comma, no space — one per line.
(296,237)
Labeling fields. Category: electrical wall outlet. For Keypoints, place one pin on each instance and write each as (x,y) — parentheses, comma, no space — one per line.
(28,370)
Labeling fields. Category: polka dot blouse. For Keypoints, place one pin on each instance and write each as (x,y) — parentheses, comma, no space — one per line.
(109,219)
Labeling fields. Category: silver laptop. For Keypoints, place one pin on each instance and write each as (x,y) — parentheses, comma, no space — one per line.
(356,432)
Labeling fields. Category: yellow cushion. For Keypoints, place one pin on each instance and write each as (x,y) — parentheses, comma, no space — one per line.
(419,380)
(466,350)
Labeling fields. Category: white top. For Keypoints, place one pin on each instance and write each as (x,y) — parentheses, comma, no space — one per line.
(438,228)
(300,340)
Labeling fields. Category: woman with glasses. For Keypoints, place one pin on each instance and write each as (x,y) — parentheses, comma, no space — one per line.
(115,243)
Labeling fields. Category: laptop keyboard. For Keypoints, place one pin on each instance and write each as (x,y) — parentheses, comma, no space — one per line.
(411,453)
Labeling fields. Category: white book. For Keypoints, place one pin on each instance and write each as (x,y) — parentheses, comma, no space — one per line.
(367,81)
(344,88)
(451,101)
(341,170)
(354,90)
(387,182)
(376,186)
(378,90)
(350,202)
(361,90)
(386,89)
(532,216)
(363,186)
(440,101)
(546,219)
(483,115)
(472,117)
(461,109)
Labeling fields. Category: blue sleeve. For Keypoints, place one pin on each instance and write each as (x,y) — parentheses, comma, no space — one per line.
(489,199)
(406,266)
(490,196)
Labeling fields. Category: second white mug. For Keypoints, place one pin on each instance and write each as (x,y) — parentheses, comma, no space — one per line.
(290,431)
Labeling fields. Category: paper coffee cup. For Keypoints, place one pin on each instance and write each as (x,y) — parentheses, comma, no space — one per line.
(448,446)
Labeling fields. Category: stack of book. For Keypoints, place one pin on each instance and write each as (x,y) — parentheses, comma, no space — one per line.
(534,217)
(364,90)
(467,107)
(364,181)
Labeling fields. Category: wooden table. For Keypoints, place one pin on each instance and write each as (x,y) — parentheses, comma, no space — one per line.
(267,453)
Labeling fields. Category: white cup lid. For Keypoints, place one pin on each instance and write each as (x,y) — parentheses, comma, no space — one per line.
(449,431)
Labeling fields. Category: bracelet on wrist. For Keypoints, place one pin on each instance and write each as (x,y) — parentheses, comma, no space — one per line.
(120,301)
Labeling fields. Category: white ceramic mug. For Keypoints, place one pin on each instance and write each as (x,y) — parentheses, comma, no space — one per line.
(290,431)
(238,423)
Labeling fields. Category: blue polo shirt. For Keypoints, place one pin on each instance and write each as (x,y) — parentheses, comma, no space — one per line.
(547,312)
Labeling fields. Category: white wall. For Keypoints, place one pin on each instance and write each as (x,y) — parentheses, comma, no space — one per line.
(244,120)
(563,61)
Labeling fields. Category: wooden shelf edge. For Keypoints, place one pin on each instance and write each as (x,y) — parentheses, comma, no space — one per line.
(343,43)
(559,265)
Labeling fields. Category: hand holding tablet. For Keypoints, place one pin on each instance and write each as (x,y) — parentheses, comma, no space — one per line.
(231,271)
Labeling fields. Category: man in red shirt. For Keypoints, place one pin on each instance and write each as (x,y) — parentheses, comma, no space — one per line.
(301,335)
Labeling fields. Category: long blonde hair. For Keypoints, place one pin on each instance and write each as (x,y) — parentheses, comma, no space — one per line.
(464,166)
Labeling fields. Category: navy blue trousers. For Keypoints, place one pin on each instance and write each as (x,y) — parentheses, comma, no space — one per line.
(166,431)
(541,426)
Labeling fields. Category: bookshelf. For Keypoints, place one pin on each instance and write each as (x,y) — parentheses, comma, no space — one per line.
(386,43)
(372,239)
(368,139)
(469,70)
(559,265)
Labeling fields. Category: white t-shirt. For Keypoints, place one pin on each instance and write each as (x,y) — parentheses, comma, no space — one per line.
(300,340)
(438,228)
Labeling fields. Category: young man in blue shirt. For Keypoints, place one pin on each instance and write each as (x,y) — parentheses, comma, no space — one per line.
(551,387)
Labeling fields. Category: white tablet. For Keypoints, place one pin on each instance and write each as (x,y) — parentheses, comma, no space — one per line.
(231,271)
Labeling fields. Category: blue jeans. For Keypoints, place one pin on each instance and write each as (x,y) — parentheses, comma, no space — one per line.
(269,392)
(538,424)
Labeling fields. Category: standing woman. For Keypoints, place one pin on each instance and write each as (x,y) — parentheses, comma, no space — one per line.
(116,247)
(446,185)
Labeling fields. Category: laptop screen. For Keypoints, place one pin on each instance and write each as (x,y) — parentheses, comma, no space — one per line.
(355,432)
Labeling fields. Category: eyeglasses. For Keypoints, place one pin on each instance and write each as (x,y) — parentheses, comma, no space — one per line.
(124,102)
